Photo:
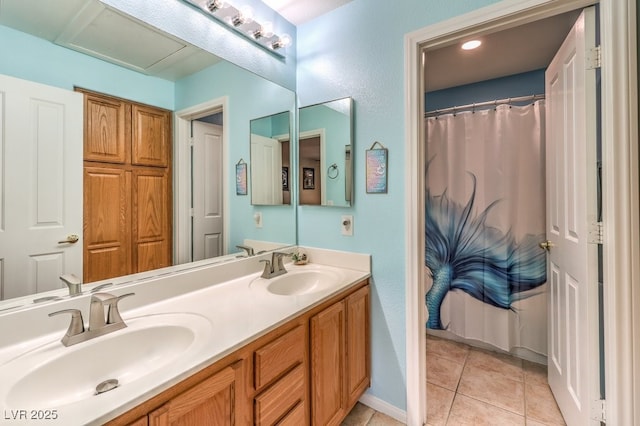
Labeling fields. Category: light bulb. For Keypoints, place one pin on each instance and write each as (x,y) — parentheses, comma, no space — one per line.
(244,16)
(471,44)
(283,41)
(214,5)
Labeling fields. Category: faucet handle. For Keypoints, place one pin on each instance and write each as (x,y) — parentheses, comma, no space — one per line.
(248,249)
(113,314)
(75,327)
(268,269)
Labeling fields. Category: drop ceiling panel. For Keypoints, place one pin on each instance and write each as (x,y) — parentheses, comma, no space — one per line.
(41,19)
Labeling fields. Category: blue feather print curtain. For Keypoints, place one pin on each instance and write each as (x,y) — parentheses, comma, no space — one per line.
(485,216)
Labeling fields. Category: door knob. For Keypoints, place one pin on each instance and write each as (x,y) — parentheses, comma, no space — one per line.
(546,245)
(71,239)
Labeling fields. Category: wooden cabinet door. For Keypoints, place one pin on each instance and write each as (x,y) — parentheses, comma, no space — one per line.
(212,402)
(151,136)
(151,219)
(106,223)
(358,366)
(106,133)
(328,365)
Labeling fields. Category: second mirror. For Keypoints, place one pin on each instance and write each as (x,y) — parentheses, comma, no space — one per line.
(325,154)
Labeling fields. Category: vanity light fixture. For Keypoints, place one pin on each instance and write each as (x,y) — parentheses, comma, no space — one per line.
(282,41)
(241,20)
(471,44)
(213,5)
(244,16)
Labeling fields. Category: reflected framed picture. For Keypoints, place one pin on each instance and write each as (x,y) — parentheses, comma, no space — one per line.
(285,178)
(241,178)
(308,178)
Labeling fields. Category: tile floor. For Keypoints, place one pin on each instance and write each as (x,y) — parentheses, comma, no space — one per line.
(470,386)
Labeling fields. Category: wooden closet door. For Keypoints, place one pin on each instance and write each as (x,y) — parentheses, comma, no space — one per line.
(358,368)
(151,136)
(151,227)
(107,129)
(107,221)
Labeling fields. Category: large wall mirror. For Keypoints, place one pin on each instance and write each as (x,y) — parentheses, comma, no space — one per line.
(271,159)
(89,45)
(325,150)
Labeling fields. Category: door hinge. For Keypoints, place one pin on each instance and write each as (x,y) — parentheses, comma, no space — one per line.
(191,212)
(593,59)
(599,411)
(595,233)
(190,141)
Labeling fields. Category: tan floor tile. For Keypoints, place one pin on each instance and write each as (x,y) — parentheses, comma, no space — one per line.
(443,372)
(380,419)
(448,349)
(470,412)
(534,423)
(534,373)
(359,415)
(541,406)
(492,388)
(439,402)
(507,365)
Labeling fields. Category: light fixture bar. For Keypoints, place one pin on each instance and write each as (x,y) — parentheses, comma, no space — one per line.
(241,21)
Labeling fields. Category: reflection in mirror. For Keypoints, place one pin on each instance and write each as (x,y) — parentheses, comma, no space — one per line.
(147,67)
(325,153)
(270,159)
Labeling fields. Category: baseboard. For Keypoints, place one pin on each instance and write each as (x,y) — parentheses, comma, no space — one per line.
(384,407)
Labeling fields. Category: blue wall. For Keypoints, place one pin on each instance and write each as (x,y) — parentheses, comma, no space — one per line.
(358,50)
(524,84)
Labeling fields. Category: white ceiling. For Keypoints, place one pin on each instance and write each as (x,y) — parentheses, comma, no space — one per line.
(300,11)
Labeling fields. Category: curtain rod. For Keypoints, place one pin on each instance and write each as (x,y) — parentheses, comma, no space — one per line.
(497,102)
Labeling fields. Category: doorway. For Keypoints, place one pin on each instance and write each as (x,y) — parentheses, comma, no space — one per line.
(620,101)
(216,213)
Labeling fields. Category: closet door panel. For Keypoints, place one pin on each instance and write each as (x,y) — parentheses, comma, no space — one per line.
(106,129)
(151,219)
(107,222)
(151,143)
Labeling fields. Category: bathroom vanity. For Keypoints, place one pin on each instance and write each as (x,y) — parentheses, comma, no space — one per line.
(212,344)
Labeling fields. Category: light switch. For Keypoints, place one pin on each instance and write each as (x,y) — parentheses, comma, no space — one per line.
(257,218)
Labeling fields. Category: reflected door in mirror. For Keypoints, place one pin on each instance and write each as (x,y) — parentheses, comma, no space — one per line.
(40,142)
(127,196)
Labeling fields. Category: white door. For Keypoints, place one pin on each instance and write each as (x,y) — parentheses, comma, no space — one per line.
(573,361)
(266,170)
(207,190)
(41,186)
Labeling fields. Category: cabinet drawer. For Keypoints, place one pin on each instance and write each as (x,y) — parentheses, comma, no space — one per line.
(295,417)
(279,356)
(280,398)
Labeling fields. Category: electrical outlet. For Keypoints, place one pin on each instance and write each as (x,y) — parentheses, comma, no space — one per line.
(257,218)
(346,225)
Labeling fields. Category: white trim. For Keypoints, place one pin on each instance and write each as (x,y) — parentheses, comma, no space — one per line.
(182,175)
(620,180)
(384,407)
(620,211)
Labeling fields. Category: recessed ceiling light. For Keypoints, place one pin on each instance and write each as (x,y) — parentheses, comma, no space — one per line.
(471,44)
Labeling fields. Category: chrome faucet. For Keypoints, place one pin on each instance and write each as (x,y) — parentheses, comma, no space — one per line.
(73,283)
(99,325)
(274,267)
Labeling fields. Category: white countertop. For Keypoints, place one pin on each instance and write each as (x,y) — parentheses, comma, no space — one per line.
(239,311)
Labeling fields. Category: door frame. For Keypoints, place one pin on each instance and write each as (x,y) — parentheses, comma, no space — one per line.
(621,189)
(182,175)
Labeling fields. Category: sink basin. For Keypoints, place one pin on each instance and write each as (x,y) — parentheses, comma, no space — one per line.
(54,375)
(300,282)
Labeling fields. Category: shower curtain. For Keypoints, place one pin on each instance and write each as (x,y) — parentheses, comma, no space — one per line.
(485,218)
